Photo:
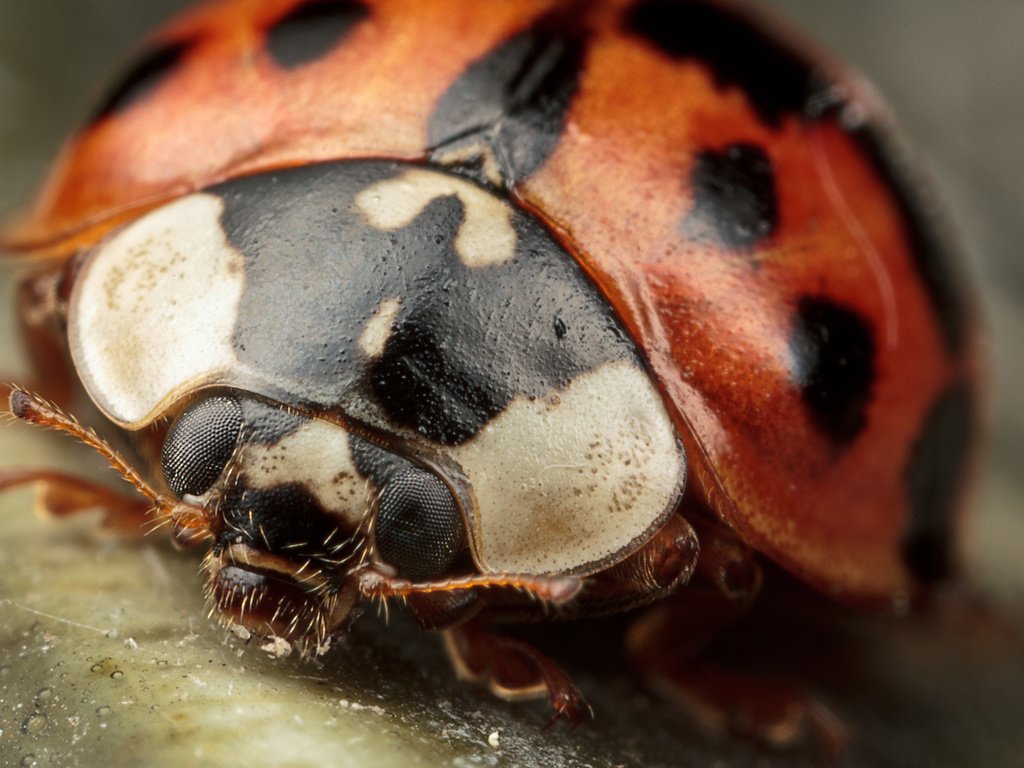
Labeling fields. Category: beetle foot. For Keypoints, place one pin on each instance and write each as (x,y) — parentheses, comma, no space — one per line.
(514,670)
(769,712)
(569,704)
(662,645)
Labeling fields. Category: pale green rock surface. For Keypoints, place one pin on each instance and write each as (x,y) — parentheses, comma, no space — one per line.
(107,657)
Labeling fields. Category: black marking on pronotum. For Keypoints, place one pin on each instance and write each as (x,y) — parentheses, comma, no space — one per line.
(833,351)
(312,29)
(143,78)
(933,479)
(928,242)
(776,80)
(734,196)
(514,99)
(425,388)
(465,342)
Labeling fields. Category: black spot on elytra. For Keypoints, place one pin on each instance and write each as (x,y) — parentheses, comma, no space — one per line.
(142,79)
(933,479)
(833,351)
(928,242)
(466,340)
(776,80)
(312,29)
(734,197)
(513,100)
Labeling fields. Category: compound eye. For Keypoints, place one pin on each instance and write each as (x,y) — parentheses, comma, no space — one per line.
(418,527)
(200,443)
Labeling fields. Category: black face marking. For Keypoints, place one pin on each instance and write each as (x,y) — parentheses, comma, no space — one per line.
(934,478)
(374,462)
(286,519)
(833,351)
(514,99)
(776,80)
(734,197)
(933,256)
(312,30)
(200,443)
(418,528)
(466,340)
(266,423)
(142,79)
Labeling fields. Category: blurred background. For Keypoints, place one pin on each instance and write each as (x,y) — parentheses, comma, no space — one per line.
(951,72)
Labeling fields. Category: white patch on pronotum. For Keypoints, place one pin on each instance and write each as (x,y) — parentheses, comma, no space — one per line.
(377,330)
(485,238)
(153,311)
(573,481)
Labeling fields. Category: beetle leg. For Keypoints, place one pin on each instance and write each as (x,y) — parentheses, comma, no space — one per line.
(40,320)
(63,495)
(513,670)
(441,610)
(663,641)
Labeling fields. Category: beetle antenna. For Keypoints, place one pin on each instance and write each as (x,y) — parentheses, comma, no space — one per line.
(556,590)
(34,409)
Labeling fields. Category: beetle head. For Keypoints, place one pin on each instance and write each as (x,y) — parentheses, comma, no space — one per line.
(292,553)
(297,506)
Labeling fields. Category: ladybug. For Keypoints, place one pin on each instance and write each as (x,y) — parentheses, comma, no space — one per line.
(519,310)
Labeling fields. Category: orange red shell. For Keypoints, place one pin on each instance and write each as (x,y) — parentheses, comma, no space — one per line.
(732,196)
